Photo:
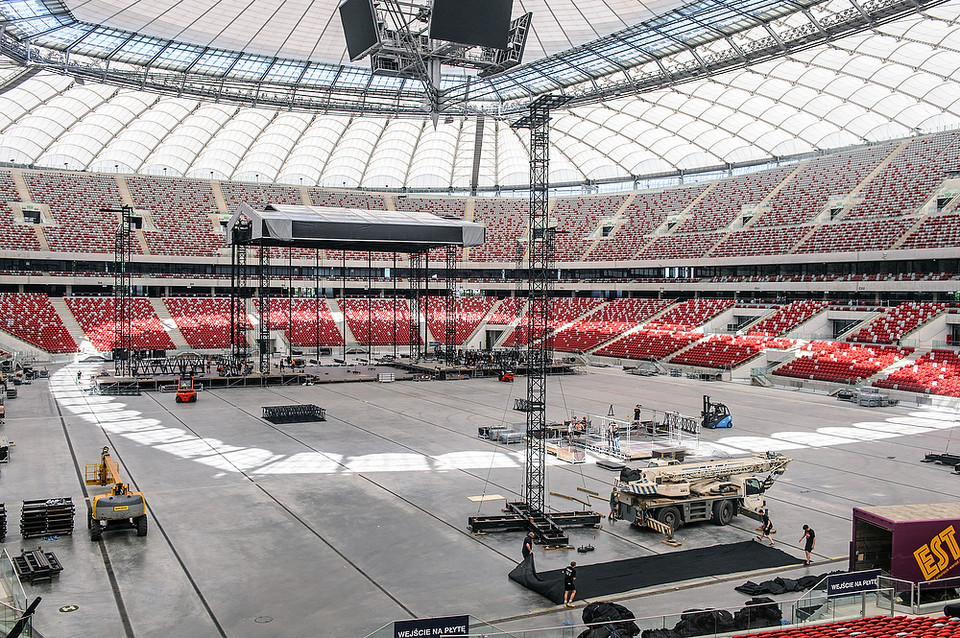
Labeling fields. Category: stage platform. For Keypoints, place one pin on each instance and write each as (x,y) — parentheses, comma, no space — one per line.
(112,385)
(440,370)
(630,449)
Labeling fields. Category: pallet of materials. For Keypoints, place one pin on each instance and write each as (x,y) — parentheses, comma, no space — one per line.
(50,517)
(36,565)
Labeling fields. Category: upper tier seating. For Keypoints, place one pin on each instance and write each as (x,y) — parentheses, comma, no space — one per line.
(577,219)
(644,214)
(13,236)
(562,310)
(346,199)
(258,195)
(806,193)
(304,314)
(687,246)
(204,322)
(96,316)
(469,312)
(505,221)
(372,321)
(910,177)
(841,362)
(941,231)
(893,324)
(760,241)
(724,202)
(728,351)
(30,316)
(610,320)
(180,212)
(648,344)
(937,372)
(787,318)
(690,314)
(854,236)
(444,206)
(76,201)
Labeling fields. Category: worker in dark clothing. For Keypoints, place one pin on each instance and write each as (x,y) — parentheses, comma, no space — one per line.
(527,548)
(764,517)
(636,415)
(809,540)
(569,584)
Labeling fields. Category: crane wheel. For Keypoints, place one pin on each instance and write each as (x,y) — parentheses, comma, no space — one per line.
(669,516)
(142,525)
(722,512)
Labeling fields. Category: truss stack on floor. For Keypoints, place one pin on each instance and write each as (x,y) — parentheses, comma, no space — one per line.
(36,565)
(3,523)
(50,517)
(294,413)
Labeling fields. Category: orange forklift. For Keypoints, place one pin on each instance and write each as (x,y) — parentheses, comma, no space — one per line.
(186,393)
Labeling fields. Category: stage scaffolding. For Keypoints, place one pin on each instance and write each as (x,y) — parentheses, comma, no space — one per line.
(319,228)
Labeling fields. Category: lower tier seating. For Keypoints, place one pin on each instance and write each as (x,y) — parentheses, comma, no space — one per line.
(937,372)
(839,362)
(31,317)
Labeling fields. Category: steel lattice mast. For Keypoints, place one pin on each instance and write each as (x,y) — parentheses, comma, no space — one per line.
(539,286)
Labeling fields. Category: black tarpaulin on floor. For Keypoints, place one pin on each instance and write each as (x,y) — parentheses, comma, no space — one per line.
(604,579)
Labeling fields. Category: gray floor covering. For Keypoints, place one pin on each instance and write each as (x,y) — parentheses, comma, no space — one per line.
(337,528)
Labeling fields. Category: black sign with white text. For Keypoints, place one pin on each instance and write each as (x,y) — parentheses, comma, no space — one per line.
(426,627)
(855,582)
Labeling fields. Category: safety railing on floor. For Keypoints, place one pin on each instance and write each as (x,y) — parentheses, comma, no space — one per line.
(814,607)
(13,600)
(931,595)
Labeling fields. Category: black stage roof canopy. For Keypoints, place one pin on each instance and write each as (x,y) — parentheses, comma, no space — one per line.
(351,229)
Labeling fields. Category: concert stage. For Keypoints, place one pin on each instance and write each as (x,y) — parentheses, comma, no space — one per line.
(440,370)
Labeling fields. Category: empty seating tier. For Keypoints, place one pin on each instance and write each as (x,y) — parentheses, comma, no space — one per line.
(609,321)
(76,202)
(893,324)
(204,322)
(14,236)
(787,318)
(690,314)
(727,351)
(378,322)
(180,210)
(469,312)
(31,317)
(305,322)
(96,315)
(562,310)
(648,345)
(839,362)
(871,627)
(937,372)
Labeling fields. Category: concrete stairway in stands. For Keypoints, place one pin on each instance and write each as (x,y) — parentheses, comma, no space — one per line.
(69,321)
(169,324)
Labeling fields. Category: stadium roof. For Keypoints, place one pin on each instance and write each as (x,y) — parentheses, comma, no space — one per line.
(245,91)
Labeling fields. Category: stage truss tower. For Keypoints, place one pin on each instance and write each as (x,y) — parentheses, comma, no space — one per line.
(529,514)
(123,290)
